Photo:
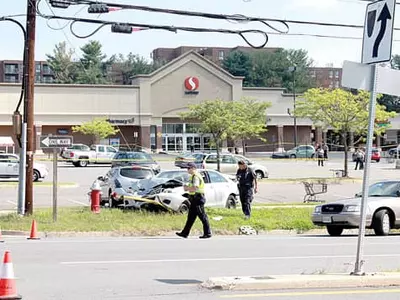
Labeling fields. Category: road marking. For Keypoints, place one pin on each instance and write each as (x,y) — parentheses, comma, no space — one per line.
(155,261)
(316,293)
(79,202)
(12,202)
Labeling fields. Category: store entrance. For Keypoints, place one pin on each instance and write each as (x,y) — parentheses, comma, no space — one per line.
(181,143)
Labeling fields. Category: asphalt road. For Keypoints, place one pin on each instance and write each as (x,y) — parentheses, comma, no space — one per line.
(172,268)
(269,191)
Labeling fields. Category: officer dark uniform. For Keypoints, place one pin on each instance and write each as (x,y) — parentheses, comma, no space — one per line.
(247,181)
(197,201)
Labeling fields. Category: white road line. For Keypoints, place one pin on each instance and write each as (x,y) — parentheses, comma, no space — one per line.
(79,202)
(155,261)
(12,202)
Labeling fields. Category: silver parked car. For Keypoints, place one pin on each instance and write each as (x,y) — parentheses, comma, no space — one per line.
(383,210)
(121,178)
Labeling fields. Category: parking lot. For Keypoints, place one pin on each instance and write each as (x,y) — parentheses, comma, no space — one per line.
(74,183)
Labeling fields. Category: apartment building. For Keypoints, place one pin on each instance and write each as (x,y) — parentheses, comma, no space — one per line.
(11,71)
(327,77)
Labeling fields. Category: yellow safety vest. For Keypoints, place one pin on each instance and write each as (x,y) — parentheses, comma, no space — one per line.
(200,189)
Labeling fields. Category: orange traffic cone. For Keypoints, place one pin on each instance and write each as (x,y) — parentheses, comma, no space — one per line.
(8,288)
(34,235)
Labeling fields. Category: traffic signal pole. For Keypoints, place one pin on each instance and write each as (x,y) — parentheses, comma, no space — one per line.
(28,103)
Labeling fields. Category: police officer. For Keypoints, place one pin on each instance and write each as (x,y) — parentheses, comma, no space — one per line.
(197,201)
(247,182)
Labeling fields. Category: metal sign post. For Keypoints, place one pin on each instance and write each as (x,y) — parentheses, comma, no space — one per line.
(55,183)
(55,143)
(377,47)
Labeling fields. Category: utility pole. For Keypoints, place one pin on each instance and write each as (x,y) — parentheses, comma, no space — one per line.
(293,70)
(28,105)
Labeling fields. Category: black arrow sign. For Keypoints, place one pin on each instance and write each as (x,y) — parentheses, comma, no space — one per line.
(383,17)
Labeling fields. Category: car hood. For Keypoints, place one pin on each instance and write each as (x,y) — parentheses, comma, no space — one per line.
(154,185)
(357,200)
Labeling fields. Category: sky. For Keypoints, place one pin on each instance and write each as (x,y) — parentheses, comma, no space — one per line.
(323,51)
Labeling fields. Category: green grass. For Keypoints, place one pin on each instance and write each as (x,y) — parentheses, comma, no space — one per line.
(149,224)
(284,205)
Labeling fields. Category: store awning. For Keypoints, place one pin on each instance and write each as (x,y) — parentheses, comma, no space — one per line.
(6,141)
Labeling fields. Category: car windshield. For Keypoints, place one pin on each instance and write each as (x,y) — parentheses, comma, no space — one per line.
(198,157)
(138,156)
(135,173)
(384,189)
(179,175)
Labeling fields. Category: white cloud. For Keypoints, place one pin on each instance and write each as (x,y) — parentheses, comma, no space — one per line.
(315,4)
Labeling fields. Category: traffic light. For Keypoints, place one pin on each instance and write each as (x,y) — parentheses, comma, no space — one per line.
(98,9)
(121,28)
(60,3)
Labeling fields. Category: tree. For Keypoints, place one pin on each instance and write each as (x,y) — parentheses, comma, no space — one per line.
(61,64)
(341,110)
(217,119)
(92,66)
(250,120)
(303,80)
(238,63)
(134,64)
(98,128)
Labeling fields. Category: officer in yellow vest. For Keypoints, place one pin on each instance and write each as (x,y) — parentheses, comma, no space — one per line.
(195,188)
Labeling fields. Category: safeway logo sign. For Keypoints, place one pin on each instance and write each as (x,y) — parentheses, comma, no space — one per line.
(192,85)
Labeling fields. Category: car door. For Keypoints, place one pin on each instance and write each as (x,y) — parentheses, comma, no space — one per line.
(101,154)
(12,167)
(228,164)
(211,162)
(209,190)
(221,187)
(111,153)
(105,184)
(3,164)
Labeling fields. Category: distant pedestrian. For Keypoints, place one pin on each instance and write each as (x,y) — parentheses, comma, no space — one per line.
(320,156)
(326,150)
(247,183)
(360,157)
(197,201)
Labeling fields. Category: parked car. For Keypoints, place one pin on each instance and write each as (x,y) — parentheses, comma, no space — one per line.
(9,168)
(135,158)
(65,152)
(182,160)
(229,164)
(168,193)
(303,151)
(97,154)
(393,152)
(121,178)
(383,210)
(375,155)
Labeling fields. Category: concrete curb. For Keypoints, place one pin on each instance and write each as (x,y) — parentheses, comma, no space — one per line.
(277,282)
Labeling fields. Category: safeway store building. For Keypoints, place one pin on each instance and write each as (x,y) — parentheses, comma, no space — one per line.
(147,112)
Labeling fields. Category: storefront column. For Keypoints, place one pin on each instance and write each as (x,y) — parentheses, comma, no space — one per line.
(144,137)
(159,139)
(38,134)
(378,140)
(280,139)
(318,135)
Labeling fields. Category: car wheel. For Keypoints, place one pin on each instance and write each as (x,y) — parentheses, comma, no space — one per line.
(83,163)
(381,222)
(378,160)
(259,174)
(36,175)
(334,230)
(184,208)
(292,155)
(111,201)
(231,202)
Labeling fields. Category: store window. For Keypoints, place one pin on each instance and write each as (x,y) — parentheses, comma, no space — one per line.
(172,128)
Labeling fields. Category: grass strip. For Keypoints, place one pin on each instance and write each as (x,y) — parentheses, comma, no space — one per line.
(151,224)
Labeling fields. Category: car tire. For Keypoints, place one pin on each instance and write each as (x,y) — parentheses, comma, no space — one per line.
(312,155)
(83,163)
(259,174)
(378,160)
(231,202)
(334,230)
(184,208)
(292,156)
(111,202)
(36,175)
(381,223)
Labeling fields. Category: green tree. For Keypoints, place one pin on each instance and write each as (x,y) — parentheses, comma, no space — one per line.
(250,120)
(61,64)
(92,66)
(342,111)
(302,79)
(216,117)
(98,128)
(238,63)
(134,64)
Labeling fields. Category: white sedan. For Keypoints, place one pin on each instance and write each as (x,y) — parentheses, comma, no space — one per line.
(9,167)
(166,190)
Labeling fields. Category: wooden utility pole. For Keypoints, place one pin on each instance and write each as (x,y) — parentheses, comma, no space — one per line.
(28,105)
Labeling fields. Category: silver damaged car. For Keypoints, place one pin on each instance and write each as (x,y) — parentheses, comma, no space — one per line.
(383,211)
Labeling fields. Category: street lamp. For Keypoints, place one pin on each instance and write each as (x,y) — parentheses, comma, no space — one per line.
(293,70)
